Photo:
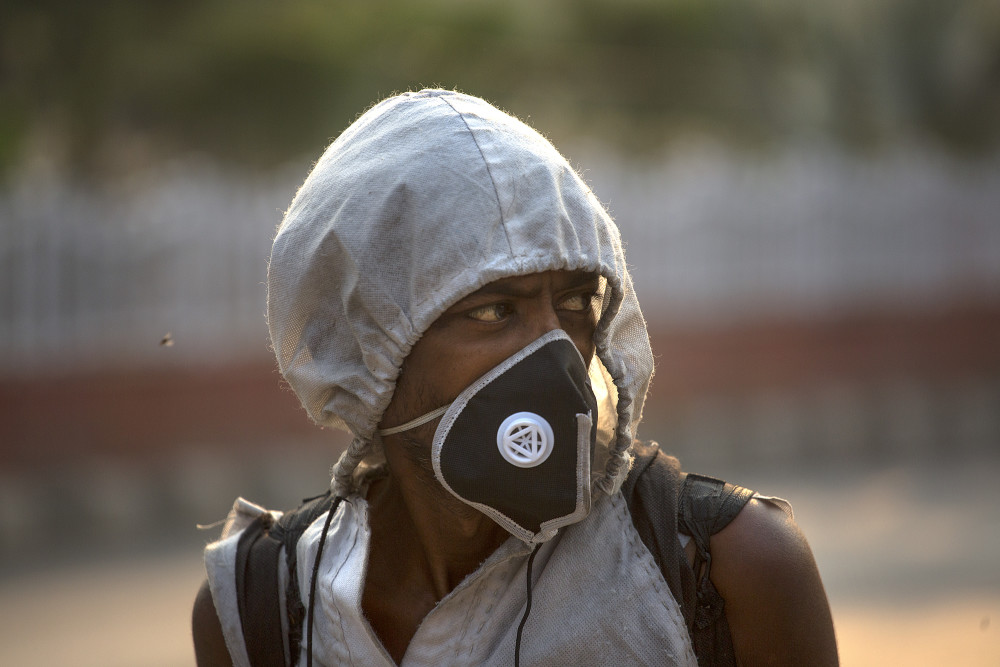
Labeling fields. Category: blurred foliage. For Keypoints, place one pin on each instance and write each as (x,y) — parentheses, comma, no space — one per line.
(102,85)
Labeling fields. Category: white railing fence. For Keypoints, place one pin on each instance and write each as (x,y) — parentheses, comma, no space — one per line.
(99,277)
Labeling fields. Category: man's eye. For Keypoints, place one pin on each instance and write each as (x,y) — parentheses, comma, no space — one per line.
(577,303)
(495,312)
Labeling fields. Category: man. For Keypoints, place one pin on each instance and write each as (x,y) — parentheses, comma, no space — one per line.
(447,288)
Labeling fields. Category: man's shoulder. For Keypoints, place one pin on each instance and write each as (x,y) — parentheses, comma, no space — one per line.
(761,564)
(775,601)
(209,644)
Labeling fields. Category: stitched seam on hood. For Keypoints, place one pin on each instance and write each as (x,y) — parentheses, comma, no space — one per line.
(496,192)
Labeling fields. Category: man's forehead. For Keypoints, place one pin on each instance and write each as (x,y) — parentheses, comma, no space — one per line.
(533,282)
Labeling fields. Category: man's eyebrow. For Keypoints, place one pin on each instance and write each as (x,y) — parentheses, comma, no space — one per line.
(507,288)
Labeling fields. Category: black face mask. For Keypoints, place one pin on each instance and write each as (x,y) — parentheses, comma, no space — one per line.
(517,444)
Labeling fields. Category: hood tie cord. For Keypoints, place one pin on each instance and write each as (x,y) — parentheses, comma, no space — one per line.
(527,609)
(312,580)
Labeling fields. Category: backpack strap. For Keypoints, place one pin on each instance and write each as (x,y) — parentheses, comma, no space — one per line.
(258,593)
(664,501)
(651,493)
(707,505)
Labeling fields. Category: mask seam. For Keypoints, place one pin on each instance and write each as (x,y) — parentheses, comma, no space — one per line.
(583,499)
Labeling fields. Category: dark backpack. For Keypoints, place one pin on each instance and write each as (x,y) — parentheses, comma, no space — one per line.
(661,499)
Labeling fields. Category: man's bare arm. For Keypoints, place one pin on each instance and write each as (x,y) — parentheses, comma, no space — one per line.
(209,645)
(775,603)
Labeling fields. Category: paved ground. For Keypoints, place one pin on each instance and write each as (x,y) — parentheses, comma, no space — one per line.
(910,556)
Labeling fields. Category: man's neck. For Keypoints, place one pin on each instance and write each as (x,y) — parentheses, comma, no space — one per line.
(421,548)
(434,540)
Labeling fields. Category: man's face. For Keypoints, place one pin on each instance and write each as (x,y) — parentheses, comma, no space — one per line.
(487,327)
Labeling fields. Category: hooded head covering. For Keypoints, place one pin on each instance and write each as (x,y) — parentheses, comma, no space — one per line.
(424,199)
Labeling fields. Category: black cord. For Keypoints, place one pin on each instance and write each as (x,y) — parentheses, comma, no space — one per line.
(527,609)
(312,580)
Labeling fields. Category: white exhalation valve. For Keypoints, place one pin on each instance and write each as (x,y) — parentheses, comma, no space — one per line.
(525,439)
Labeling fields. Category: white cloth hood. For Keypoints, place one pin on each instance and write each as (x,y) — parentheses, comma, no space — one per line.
(424,199)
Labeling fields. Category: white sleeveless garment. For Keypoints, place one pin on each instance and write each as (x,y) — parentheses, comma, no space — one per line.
(598,598)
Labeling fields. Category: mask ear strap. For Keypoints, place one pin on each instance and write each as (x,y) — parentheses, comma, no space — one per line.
(413,423)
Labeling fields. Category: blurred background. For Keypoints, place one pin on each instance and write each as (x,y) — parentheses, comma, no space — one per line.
(810,198)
